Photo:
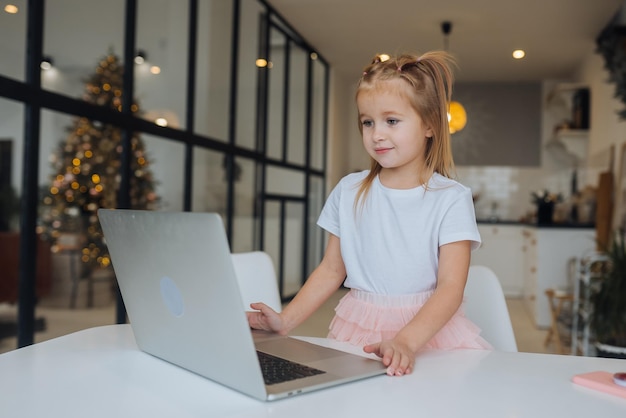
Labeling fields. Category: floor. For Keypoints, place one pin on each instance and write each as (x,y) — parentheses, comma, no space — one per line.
(61,321)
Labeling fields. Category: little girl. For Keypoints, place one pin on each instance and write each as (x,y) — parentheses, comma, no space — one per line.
(401,233)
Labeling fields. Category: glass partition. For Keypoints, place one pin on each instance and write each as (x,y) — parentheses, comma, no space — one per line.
(78,33)
(297,96)
(210,184)
(213,69)
(250,64)
(277,95)
(160,85)
(318,114)
(11,163)
(245,225)
(255,115)
(13,40)
(167,162)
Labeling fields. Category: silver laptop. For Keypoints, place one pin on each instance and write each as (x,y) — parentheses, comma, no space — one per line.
(180,290)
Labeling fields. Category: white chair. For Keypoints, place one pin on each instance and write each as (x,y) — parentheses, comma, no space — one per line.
(485,305)
(257,279)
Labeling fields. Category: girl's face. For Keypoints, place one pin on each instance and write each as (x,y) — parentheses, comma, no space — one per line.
(393,133)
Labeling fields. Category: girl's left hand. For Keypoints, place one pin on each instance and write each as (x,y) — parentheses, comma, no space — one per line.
(396,355)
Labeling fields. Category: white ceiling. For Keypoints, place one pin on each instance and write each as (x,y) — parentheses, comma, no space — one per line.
(556,34)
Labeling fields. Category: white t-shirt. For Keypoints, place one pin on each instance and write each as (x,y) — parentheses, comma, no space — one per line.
(391,244)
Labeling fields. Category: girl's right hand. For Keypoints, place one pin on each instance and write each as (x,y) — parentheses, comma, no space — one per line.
(265,318)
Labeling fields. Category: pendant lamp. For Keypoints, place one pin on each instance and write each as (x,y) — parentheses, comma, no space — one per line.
(457,117)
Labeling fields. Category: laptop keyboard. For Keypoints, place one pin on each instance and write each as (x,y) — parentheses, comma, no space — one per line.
(278,370)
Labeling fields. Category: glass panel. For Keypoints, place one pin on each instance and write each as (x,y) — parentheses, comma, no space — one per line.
(294,239)
(275,109)
(161,62)
(209,181)
(11,159)
(247,88)
(13,40)
(272,233)
(97,30)
(284,181)
(296,146)
(244,221)
(79,174)
(318,128)
(167,162)
(213,69)
(316,234)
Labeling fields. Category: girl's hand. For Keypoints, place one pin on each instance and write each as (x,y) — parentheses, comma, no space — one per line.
(396,355)
(265,318)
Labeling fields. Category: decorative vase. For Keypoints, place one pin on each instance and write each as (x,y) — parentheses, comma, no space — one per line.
(545,210)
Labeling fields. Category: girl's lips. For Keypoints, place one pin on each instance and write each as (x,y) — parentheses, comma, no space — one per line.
(381,150)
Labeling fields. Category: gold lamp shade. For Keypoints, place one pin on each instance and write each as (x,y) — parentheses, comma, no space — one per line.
(457,118)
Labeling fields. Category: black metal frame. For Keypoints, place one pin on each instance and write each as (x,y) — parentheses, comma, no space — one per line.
(35,99)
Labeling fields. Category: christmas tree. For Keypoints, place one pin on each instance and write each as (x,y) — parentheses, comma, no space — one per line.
(86,170)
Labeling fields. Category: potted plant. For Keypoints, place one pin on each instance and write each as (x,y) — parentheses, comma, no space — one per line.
(608,320)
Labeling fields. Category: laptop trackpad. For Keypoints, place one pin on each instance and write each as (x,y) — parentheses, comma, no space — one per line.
(296,350)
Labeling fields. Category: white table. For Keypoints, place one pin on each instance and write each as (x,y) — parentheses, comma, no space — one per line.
(99,372)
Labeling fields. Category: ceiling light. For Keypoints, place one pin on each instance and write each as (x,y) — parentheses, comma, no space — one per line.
(46,63)
(141,57)
(11,8)
(518,54)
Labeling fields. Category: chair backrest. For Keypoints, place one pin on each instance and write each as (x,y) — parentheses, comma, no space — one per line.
(485,305)
(257,279)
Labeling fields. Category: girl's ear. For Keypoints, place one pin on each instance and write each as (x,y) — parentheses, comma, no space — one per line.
(429,132)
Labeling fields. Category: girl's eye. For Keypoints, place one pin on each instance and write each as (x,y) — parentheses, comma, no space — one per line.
(392,121)
(366,123)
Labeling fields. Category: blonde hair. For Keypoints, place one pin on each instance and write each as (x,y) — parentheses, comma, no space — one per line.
(429,79)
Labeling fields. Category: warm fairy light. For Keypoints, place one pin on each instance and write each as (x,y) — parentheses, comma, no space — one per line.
(76,162)
(75,185)
(261,63)
(54,190)
(313,56)
(161,121)
(95,178)
(518,54)
(88,154)
(11,8)
(106,87)
(155,69)
(383,57)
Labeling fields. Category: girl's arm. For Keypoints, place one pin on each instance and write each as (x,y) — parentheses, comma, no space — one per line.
(399,353)
(320,285)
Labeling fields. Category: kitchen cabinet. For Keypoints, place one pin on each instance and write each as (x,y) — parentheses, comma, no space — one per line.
(501,251)
(547,252)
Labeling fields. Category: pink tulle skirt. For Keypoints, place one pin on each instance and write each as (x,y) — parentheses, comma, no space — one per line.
(363,318)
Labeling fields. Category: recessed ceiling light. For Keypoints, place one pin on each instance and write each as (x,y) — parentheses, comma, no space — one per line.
(518,54)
